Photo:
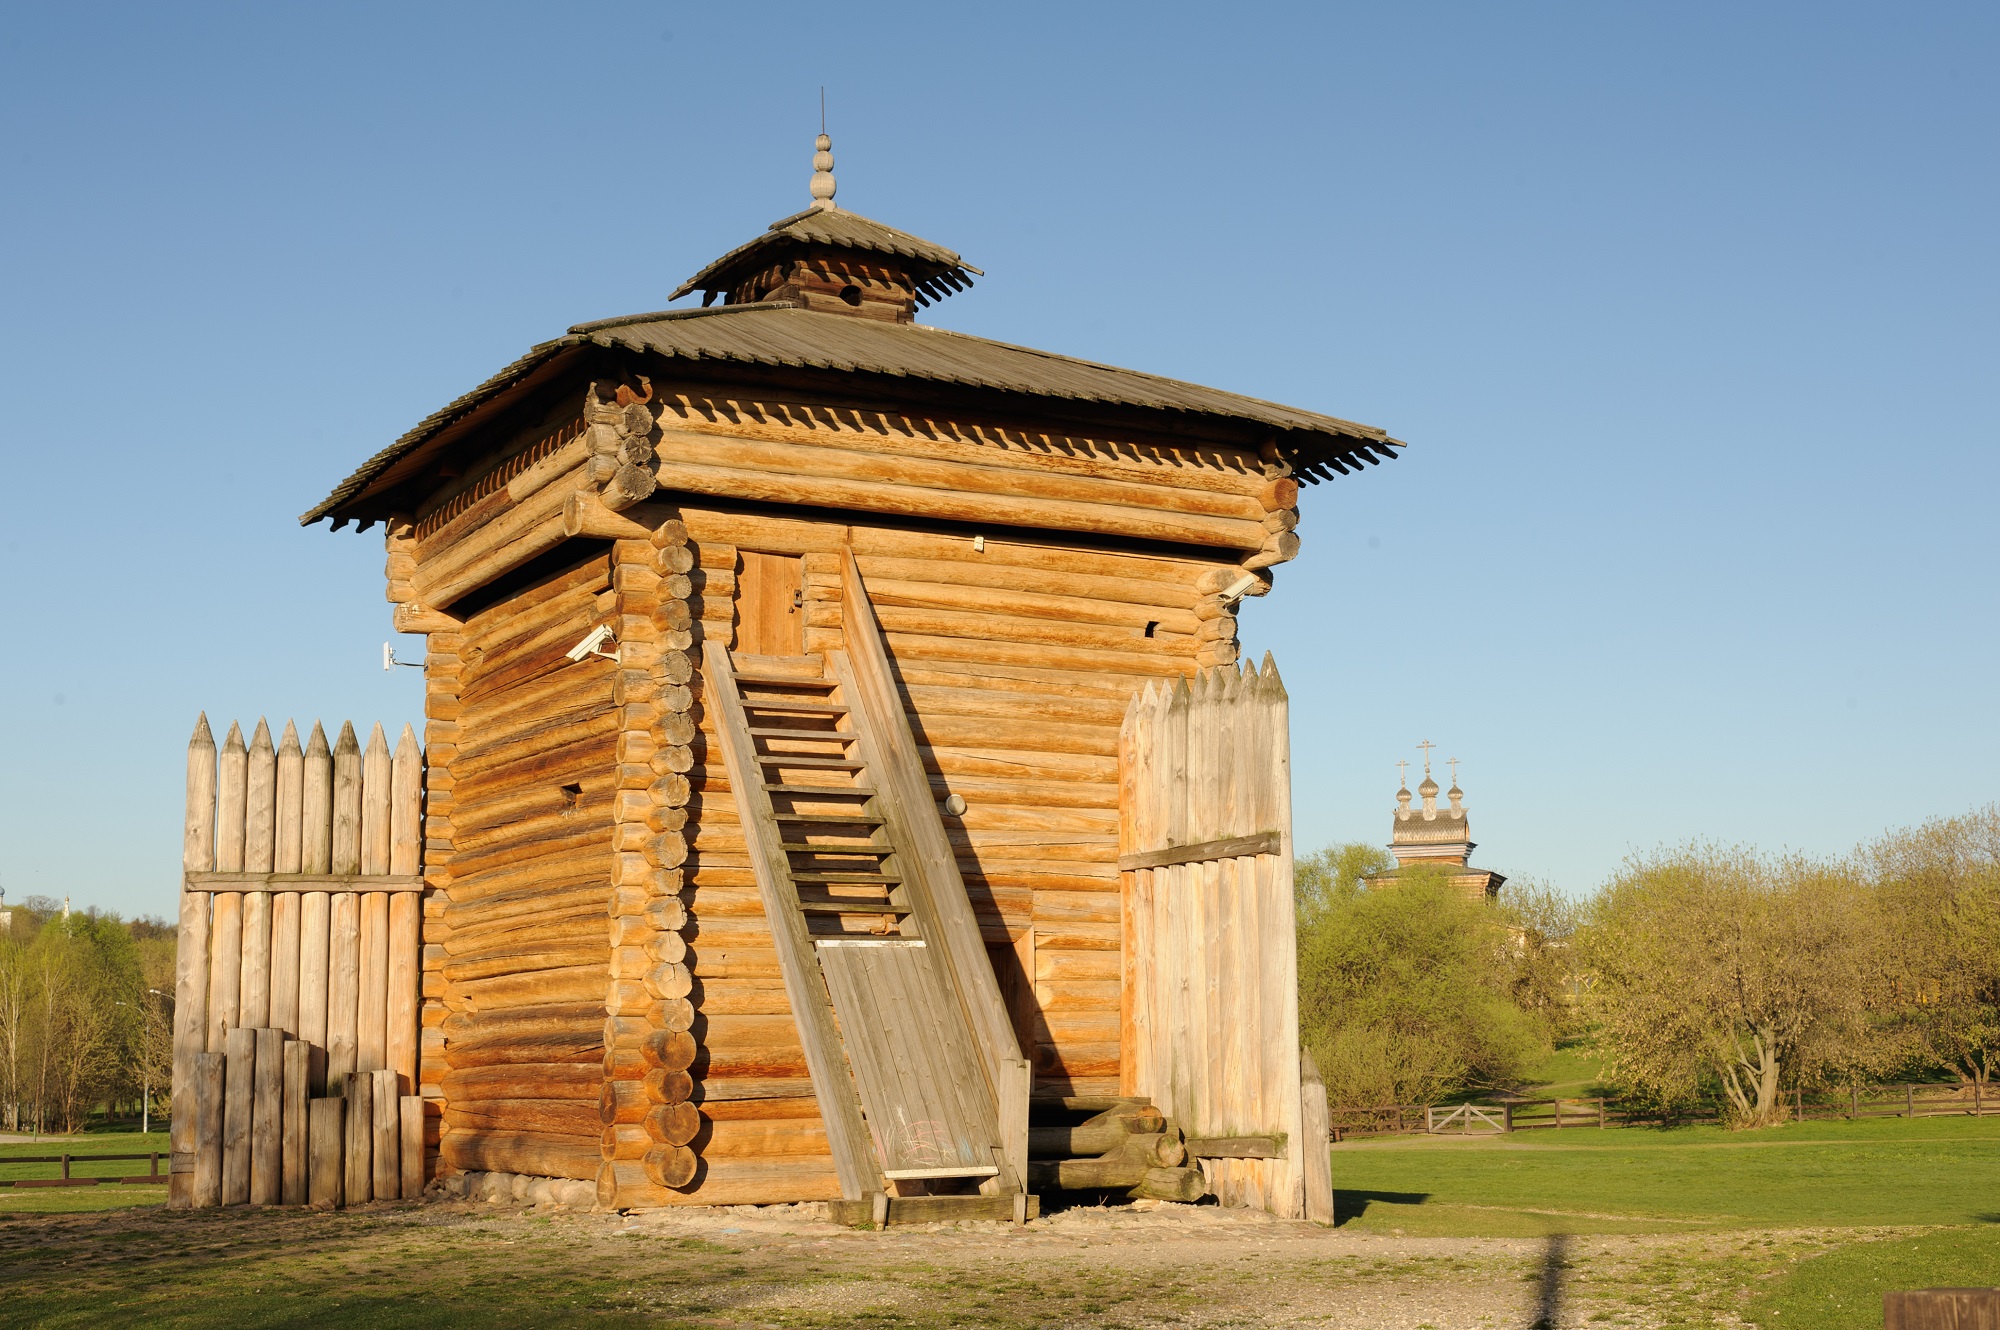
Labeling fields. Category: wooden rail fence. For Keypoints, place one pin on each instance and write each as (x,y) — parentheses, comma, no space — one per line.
(151,1177)
(1898,1100)
(298,966)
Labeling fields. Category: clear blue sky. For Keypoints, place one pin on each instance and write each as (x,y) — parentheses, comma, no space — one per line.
(1687,313)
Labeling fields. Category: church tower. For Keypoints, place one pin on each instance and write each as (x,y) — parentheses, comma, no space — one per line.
(1429,837)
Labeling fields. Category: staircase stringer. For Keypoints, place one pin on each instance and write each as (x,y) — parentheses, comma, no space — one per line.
(854,1157)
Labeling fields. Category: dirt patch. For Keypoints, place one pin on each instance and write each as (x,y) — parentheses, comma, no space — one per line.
(465,1262)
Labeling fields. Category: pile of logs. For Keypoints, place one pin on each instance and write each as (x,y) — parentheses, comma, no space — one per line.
(1126,1146)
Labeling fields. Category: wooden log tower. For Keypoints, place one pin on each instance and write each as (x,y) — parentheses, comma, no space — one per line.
(779,653)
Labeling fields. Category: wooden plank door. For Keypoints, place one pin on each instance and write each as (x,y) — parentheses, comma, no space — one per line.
(770,613)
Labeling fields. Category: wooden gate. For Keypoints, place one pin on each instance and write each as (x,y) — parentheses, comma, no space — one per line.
(1211,1029)
(298,967)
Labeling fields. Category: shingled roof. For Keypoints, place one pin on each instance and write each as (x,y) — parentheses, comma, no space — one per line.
(779,334)
(940,271)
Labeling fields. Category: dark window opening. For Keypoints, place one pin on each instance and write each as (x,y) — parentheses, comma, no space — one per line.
(1150,626)
(851,294)
(572,796)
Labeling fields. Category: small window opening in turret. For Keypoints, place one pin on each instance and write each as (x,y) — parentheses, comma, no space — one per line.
(1152,626)
(572,796)
(851,294)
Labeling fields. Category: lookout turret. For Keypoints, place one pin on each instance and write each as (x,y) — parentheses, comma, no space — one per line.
(833,261)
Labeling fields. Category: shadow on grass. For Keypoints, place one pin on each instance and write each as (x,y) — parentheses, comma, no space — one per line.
(1351,1205)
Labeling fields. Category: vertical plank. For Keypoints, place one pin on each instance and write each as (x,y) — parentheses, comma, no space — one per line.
(316,805)
(405,959)
(343,985)
(377,770)
(1316,1161)
(190,1040)
(315,920)
(191,963)
(260,802)
(232,775)
(358,1171)
(267,1119)
(297,1123)
(346,831)
(287,840)
(328,1138)
(1279,938)
(238,1108)
(208,1082)
(284,1013)
(412,1134)
(372,996)
(406,795)
(386,1132)
(225,966)
(254,1002)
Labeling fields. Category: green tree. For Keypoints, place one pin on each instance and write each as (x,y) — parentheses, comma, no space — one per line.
(1720,969)
(1937,890)
(1546,975)
(1403,994)
(1334,874)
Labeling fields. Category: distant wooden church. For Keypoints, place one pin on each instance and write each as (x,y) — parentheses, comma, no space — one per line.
(1427,838)
(780,842)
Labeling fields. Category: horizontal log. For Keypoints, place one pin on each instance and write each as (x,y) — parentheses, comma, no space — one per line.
(745,1181)
(972,472)
(741,484)
(548,1080)
(561,1117)
(569,984)
(302,882)
(1234,847)
(1269,1146)
(538,1155)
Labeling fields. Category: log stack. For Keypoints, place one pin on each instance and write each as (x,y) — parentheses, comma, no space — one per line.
(1123,1146)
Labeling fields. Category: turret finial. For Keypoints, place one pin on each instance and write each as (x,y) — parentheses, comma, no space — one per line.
(822,178)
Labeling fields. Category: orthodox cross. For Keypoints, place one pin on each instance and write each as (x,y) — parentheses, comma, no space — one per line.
(1453,764)
(1402,774)
(1427,745)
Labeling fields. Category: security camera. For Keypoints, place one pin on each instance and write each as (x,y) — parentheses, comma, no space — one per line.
(591,643)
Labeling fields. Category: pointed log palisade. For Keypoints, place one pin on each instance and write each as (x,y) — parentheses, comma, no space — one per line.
(836,754)
(277,866)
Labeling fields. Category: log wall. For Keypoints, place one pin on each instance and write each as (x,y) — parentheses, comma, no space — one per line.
(524,797)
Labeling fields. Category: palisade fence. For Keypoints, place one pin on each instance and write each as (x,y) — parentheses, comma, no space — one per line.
(297,979)
(1900,1099)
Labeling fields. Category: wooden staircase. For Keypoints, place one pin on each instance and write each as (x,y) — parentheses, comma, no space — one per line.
(919,1100)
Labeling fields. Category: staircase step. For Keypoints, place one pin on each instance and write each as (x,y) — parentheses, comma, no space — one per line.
(849,879)
(830,819)
(852,907)
(845,791)
(796,708)
(843,736)
(797,760)
(786,681)
(807,847)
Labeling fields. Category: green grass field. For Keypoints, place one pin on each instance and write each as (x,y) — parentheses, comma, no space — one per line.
(1861,1207)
